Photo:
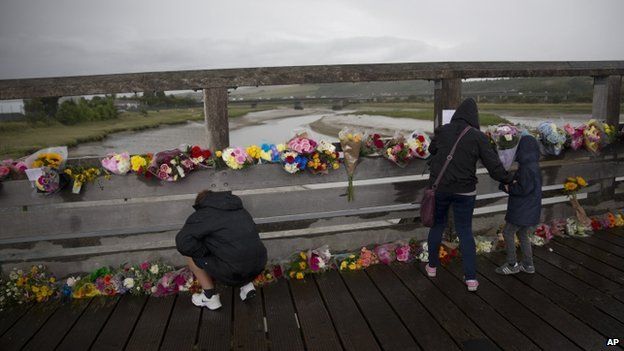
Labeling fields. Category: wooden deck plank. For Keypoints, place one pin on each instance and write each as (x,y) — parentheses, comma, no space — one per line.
(503,333)
(423,327)
(350,324)
(561,320)
(249,333)
(588,261)
(449,316)
(26,327)
(604,245)
(529,323)
(578,270)
(318,331)
(183,324)
(583,310)
(88,326)
(150,327)
(612,237)
(11,316)
(119,326)
(215,328)
(53,331)
(386,326)
(282,327)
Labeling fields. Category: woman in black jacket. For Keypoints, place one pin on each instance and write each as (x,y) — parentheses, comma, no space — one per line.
(221,242)
(458,184)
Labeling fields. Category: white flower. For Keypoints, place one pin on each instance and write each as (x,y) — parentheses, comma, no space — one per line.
(153,290)
(128,283)
(154,269)
(71,281)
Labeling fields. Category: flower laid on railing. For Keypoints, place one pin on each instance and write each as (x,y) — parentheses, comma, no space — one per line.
(506,138)
(323,158)
(611,133)
(200,157)
(398,151)
(10,169)
(50,180)
(140,165)
(575,135)
(293,162)
(595,137)
(301,144)
(419,144)
(270,153)
(171,165)
(350,263)
(552,138)
(81,175)
(236,158)
(52,159)
(298,266)
(118,164)
(372,145)
(255,152)
(351,142)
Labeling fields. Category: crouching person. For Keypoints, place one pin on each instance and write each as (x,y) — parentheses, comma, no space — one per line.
(221,244)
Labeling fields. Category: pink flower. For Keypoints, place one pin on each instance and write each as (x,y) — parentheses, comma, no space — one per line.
(240,159)
(20,166)
(402,253)
(4,171)
(144,266)
(163,175)
(165,168)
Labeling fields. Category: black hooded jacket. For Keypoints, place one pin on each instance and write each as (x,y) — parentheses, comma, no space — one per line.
(222,236)
(460,176)
(525,193)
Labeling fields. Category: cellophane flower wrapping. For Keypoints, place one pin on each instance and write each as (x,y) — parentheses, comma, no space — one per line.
(302,144)
(199,156)
(324,158)
(575,135)
(236,158)
(367,258)
(11,169)
(171,165)
(351,142)
(372,145)
(552,138)
(399,151)
(543,231)
(298,266)
(348,262)
(117,163)
(293,162)
(595,137)
(403,252)
(319,259)
(419,144)
(386,253)
(483,244)
(271,153)
(558,227)
(53,157)
(139,164)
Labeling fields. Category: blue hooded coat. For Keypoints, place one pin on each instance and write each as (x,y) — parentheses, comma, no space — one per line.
(524,207)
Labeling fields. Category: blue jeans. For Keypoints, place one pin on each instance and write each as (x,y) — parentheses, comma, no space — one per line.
(463,207)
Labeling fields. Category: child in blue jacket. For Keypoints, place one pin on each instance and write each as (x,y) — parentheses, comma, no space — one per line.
(523,207)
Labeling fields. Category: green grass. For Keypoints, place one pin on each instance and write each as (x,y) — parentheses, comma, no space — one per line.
(20,138)
(427,115)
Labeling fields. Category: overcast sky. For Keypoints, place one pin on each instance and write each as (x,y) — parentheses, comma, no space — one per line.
(75,37)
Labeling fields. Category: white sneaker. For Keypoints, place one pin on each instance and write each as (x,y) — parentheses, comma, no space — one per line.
(247,291)
(200,300)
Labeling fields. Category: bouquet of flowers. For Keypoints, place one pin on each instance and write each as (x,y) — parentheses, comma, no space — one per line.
(611,133)
(402,252)
(80,175)
(350,263)
(386,253)
(12,169)
(171,165)
(372,145)
(551,138)
(254,152)
(117,163)
(423,255)
(142,279)
(506,138)
(271,153)
(574,228)
(571,187)
(398,151)
(447,254)
(367,258)
(25,286)
(176,281)
(558,227)
(323,158)
(236,158)
(268,275)
(575,135)
(298,266)
(139,164)
(543,231)
(419,144)
(595,137)
(619,220)
(44,166)
(293,162)
(301,144)
(200,157)
(319,259)
(53,157)
(351,142)
(483,244)
(537,240)
(50,180)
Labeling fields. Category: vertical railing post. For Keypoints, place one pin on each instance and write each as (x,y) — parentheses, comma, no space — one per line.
(606,102)
(446,95)
(216,118)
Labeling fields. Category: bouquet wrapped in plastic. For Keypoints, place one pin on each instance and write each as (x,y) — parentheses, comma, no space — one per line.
(576,137)
(506,138)
(117,163)
(171,165)
(595,136)
(351,142)
(552,138)
(419,144)
(399,151)
(236,158)
(372,145)
(324,158)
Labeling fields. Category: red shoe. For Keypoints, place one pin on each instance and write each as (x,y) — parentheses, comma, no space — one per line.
(431,271)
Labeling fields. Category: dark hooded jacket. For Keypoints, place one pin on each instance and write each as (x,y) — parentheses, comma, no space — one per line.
(221,237)
(460,176)
(525,192)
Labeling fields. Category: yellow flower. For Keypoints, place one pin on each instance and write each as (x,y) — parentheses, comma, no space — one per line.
(351,256)
(291,274)
(218,153)
(281,147)
(254,151)
(569,186)
(137,162)
(35,289)
(581,181)
(303,255)
(302,265)
(52,279)
(336,165)
(352,266)
(299,275)
(343,265)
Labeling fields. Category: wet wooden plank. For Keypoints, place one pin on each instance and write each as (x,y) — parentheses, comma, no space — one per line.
(423,327)
(589,262)
(316,325)
(604,245)
(248,325)
(119,326)
(88,326)
(578,270)
(26,327)
(525,320)
(183,324)
(11,316)
(53,331)
(593,252)
(448,315)
(150,328)
(215,328)
(386,326)
(282,326)
(612,237)
(573,328)
(348,320)
(502,332)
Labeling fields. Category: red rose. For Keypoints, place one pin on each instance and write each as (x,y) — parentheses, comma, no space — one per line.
(290,159)
(206,153)
(421,138)
(196,151)
(378,143)
(277,272)
(376,136)
(107,279)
